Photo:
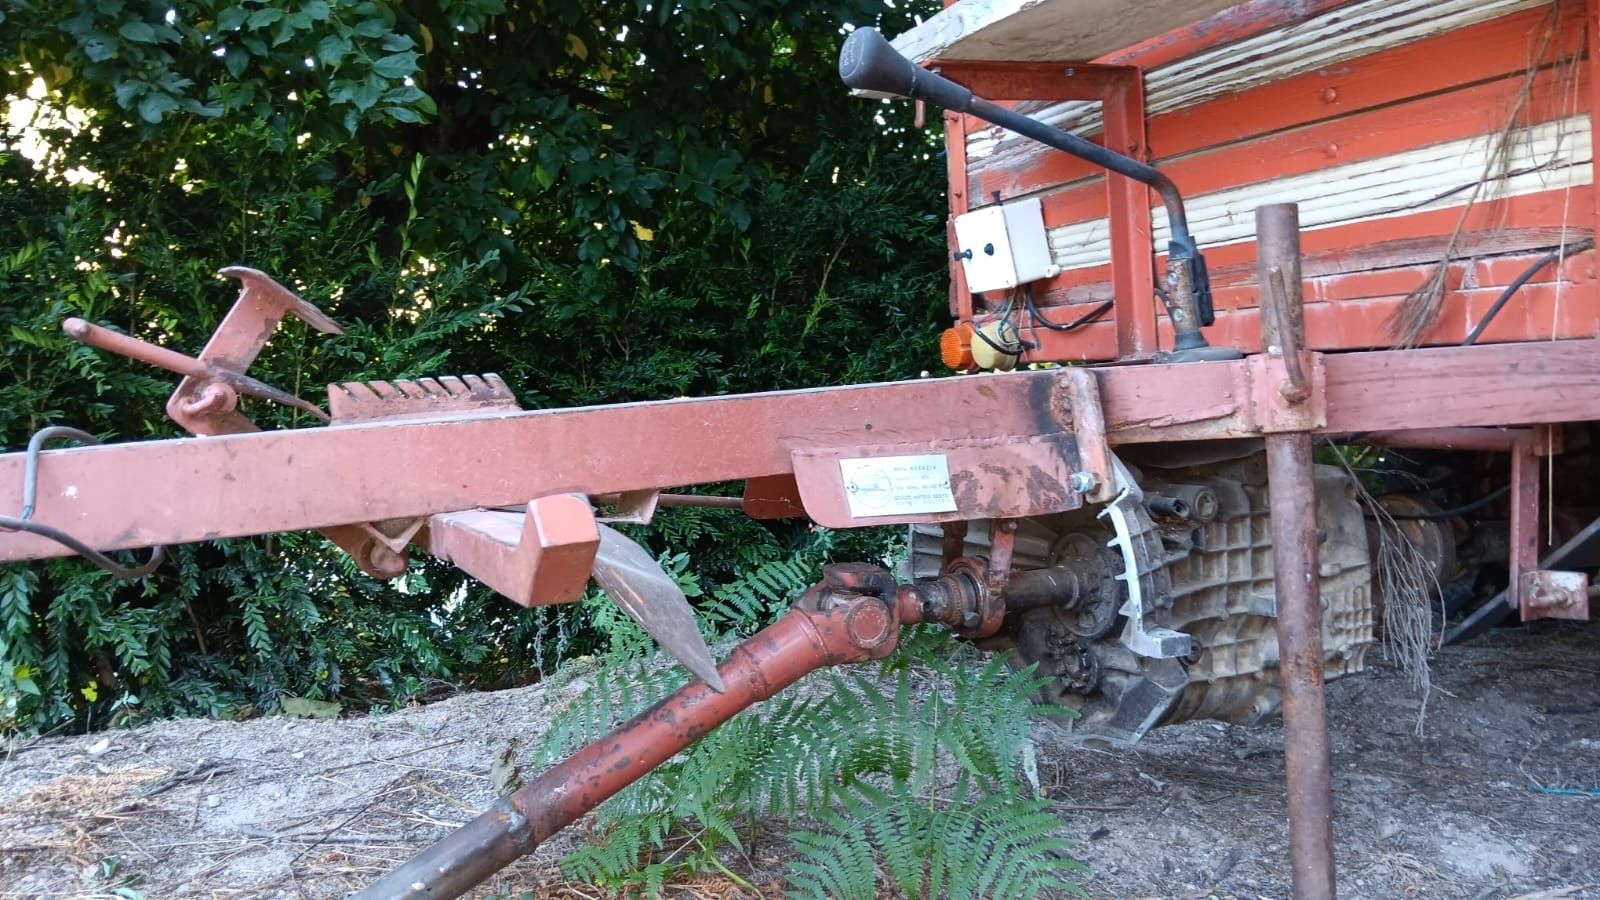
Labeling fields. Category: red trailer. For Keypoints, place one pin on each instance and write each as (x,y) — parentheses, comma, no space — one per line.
(1367,223)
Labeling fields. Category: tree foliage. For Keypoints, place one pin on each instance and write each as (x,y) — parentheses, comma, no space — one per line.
(600,200)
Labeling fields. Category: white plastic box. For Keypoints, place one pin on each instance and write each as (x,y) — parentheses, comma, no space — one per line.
(1003,246)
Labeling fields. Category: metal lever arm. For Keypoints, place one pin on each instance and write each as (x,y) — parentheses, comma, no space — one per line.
(869,63)
(123,345)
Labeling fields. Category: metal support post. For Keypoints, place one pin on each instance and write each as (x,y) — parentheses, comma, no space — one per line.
(1307,765)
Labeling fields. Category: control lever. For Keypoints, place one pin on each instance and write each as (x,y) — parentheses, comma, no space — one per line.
(871,66)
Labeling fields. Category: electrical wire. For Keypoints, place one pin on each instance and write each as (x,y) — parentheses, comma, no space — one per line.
(30,490)
(1462,510)
(1087,318)
(1561,252)
(157,555)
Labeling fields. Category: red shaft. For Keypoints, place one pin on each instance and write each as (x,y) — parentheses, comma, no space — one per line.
(778,656)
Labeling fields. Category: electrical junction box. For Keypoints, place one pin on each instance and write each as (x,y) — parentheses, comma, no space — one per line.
(1003,246)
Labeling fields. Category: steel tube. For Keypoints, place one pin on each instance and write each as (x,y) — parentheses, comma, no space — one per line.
(776,657)
(1307,765)
(1057,586)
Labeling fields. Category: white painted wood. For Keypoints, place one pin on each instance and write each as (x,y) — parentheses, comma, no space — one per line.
(1047,30)
(1343,34)
(1543,157)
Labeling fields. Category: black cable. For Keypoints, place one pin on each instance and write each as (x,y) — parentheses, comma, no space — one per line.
(1087,318)
(1561,252)
(1462,510)
(30,489)
(158,554)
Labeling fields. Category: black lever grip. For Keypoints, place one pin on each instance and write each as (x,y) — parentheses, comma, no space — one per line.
(869,63)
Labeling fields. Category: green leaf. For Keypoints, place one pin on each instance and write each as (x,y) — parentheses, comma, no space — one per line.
(397,42)
(236,60)
(138,32)
(397,65)
(371,28)
(231,18)
(263,17)
(154,106)
(99,47)
(332,49)
(402,114)
(318,10)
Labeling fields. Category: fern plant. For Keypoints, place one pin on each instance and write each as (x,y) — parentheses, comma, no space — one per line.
(971,844)
(848,750)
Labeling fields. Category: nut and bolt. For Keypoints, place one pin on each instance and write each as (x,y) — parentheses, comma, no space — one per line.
(1083,482)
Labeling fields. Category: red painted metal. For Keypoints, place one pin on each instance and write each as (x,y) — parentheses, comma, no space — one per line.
(1009,477)
(1120,90)
(542,556)
(955,151)
(1591,49)
(773,497)
(852,617)
(1419,93)
(201,490)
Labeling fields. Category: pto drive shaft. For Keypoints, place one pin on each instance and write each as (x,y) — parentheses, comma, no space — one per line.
(854,615)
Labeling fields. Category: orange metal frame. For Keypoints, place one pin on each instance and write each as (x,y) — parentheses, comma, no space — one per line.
(1120,90)
(1356,275)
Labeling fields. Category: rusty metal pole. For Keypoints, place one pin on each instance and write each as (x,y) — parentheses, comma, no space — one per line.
(1308,768)
(854,616)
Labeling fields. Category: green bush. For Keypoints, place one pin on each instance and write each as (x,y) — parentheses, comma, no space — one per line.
(467,187)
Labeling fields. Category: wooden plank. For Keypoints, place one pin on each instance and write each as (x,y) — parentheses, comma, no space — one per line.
(1324,44)
(1470,55)
(1509,384)
(1040,30)
(1544,156)
(1573,309)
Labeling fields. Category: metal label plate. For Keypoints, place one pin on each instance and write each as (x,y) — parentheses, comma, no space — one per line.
(897,485)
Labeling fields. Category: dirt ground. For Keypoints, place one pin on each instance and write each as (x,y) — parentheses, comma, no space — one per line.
(1500,798)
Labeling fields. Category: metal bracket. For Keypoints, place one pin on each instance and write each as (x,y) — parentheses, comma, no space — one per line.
(542,557)
(206,405)
(1550,594)
(1143,571)
(1274,382)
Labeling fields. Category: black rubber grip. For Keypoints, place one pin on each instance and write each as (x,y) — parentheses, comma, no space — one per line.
(869,63)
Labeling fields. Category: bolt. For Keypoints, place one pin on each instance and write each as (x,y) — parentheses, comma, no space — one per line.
(1083,482)
(971,619)
(869,624)
(1330,95)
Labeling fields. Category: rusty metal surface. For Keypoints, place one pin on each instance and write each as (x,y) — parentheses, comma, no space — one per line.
(189,490)
(1549,594)
(834,625)
(423,398)
(263,303)
(1297,588)
(1299,624)
(989,478)
(502,460)
(542,555)
(102,338)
